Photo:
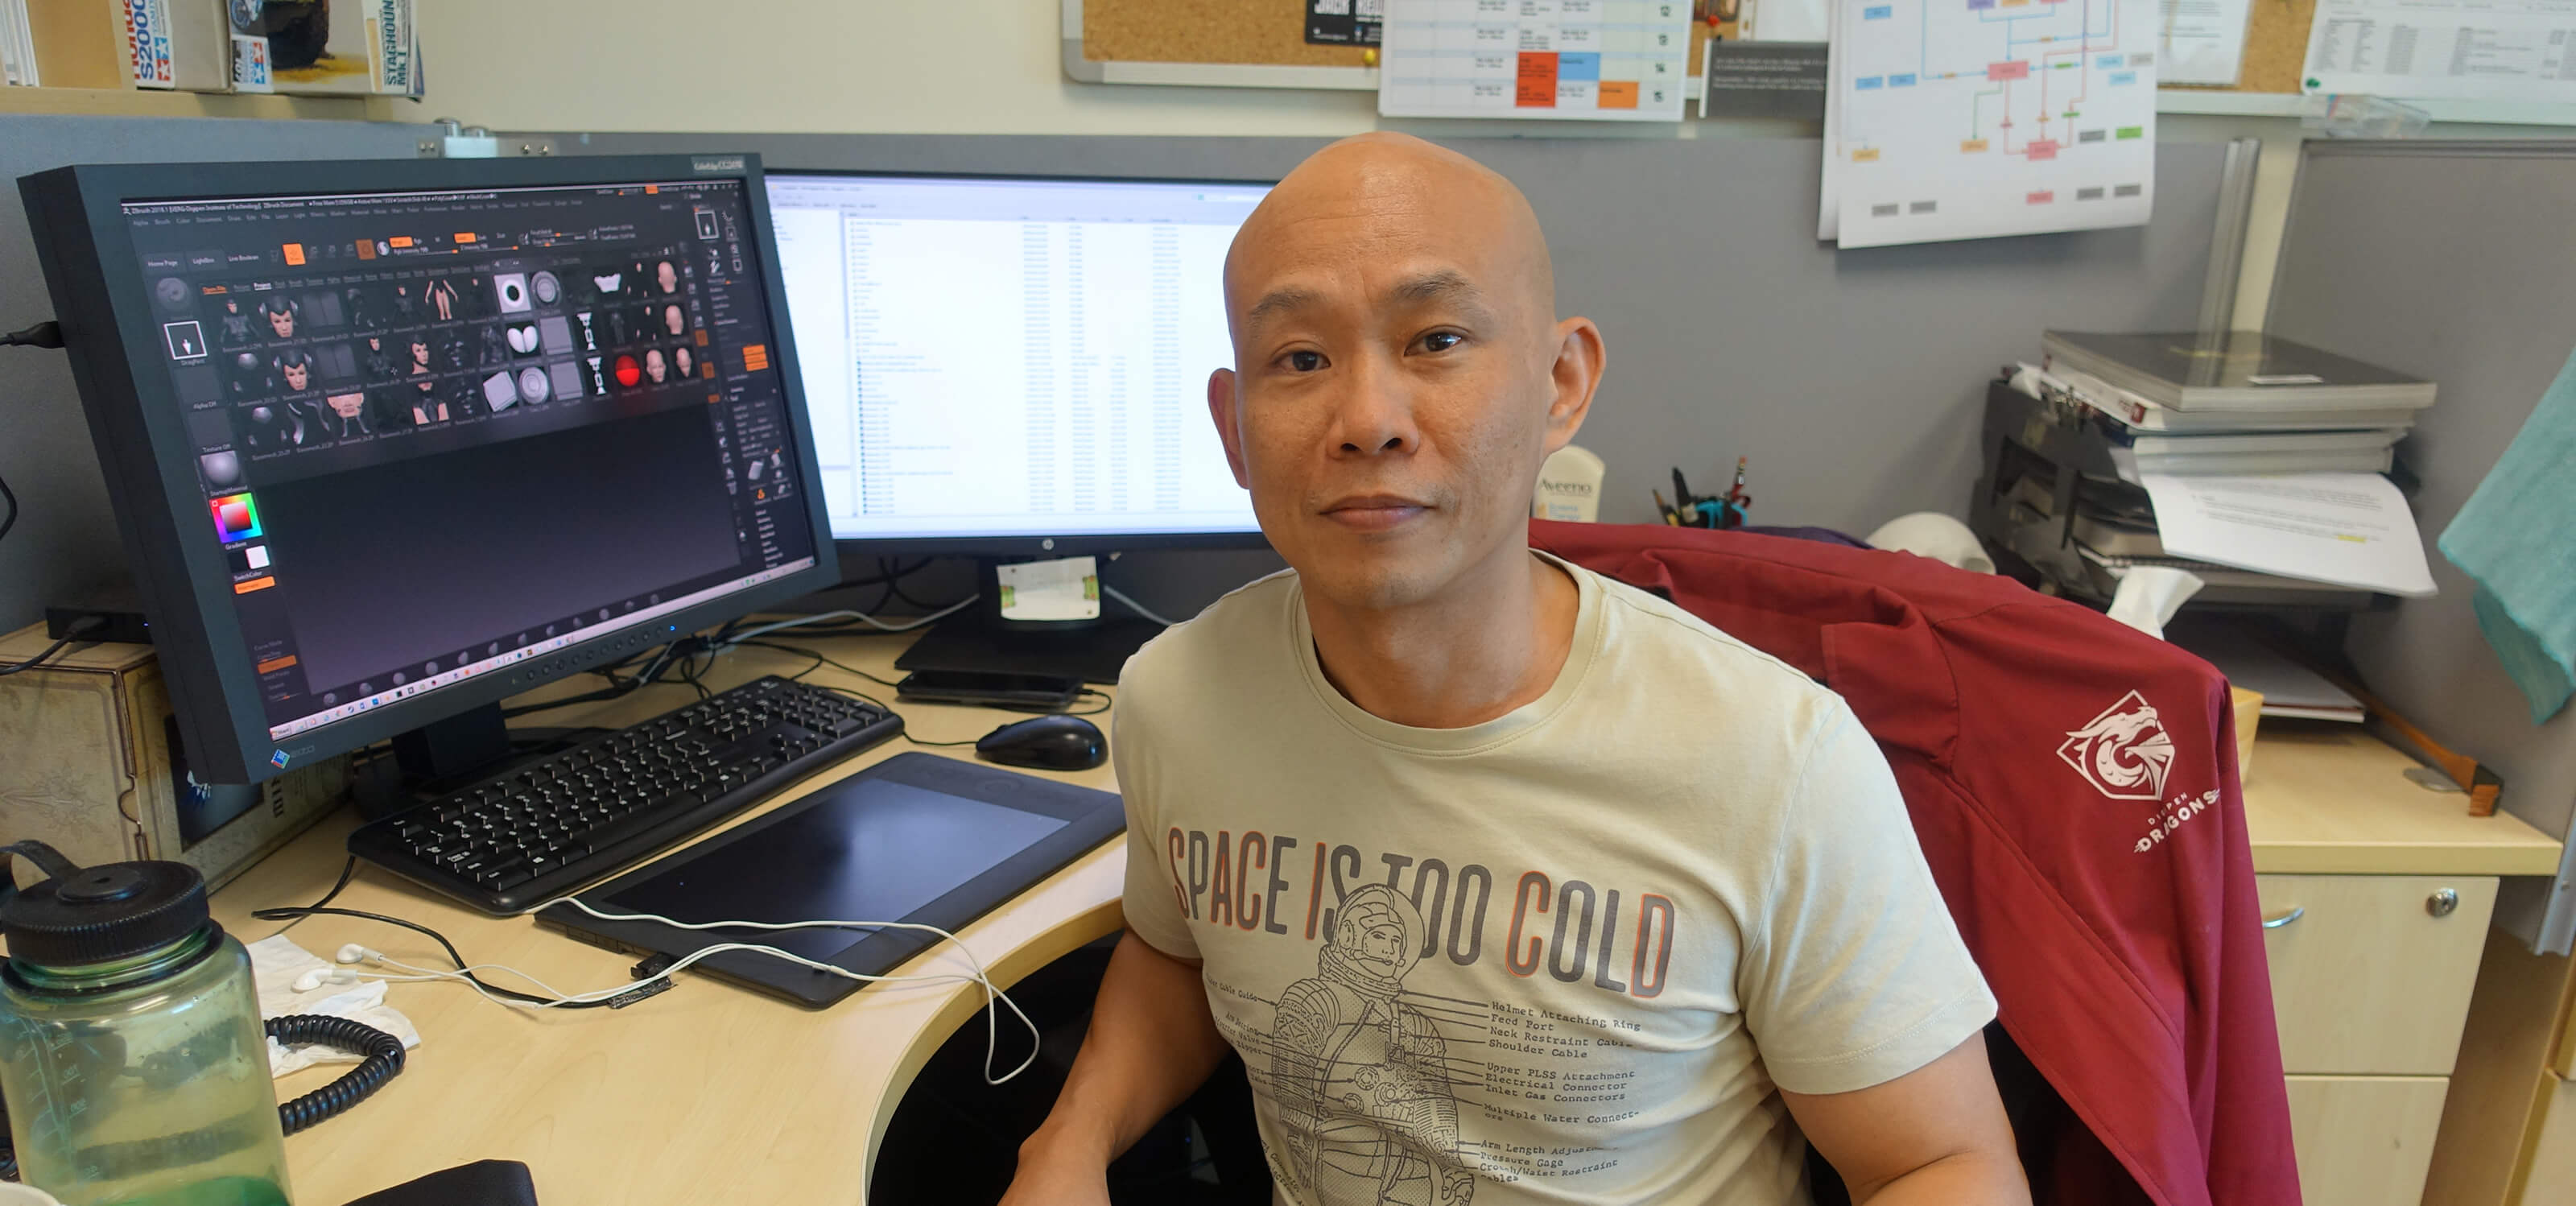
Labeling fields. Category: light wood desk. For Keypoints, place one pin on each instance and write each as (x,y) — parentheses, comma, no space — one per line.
(2332,800)
(706,1093)
(713,1093)
(2379,891)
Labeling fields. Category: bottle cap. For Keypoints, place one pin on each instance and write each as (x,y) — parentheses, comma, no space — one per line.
(100,914)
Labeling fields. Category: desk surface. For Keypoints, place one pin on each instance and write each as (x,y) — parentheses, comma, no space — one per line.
(2335,800)
(705,1093)
(709,1092)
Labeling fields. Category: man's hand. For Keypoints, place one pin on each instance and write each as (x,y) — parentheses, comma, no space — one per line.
(1936,1136)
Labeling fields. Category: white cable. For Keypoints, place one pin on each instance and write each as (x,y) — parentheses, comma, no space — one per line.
(860,616)
(1132,605)
(992,994)
(992,1024)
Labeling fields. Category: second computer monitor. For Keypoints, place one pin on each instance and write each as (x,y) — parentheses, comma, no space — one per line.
(1014,366)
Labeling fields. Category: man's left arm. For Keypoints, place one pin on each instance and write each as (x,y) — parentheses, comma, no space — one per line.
(1864,1003)
(1934,1135)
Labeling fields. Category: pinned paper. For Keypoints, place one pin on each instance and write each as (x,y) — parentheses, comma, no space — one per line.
(1064,589)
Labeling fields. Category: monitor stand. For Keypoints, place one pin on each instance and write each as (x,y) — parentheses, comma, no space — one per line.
(444,755)
(980,639)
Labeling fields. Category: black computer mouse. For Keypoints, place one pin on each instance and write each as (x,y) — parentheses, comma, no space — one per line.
(1046,743)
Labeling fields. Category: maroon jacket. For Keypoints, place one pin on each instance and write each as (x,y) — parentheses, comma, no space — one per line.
(2073,785)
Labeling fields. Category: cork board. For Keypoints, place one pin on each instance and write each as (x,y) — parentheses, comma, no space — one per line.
(2276,48)
(1210,31)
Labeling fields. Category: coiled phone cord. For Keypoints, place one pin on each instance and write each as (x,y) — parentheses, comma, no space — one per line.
(384,1059)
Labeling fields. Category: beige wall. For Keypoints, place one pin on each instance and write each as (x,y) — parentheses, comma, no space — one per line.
(969,67)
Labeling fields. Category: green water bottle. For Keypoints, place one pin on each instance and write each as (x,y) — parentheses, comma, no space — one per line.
(131,1054)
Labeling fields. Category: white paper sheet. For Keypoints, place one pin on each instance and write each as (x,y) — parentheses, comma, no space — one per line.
(2350,529)
(276,963)
(1784,21)
(2511,50)
(1605,60)
(2203,41)
(1991,117)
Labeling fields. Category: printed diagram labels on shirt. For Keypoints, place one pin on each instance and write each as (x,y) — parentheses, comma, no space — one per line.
(2124,752)
(1360,1072)
(1395,1080)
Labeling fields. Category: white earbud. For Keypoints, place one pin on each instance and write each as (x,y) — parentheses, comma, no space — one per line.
(354,953)
(319,976)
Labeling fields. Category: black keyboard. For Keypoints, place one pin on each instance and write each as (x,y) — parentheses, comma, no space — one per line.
(526,837)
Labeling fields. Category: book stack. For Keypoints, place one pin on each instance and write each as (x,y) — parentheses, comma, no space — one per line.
(2237,402)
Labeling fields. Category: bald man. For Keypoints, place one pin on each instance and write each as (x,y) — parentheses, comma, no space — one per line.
(1510,884)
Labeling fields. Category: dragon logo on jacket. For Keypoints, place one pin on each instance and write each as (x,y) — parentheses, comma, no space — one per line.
(2124,752)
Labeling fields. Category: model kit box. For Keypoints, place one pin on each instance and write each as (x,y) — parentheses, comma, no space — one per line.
(90,762)
(324,47)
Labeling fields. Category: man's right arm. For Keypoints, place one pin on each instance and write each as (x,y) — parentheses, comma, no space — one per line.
(1151,1044)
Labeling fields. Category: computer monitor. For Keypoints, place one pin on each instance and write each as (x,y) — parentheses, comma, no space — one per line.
(1014,366)
(389,441)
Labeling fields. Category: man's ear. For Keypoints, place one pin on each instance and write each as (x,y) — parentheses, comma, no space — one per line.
(1576,375)
(1229,422)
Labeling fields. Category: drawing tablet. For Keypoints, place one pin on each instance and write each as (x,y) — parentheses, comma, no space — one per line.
(915,838)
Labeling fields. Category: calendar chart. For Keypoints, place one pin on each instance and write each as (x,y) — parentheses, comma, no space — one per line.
(1959,119)
(1599,60)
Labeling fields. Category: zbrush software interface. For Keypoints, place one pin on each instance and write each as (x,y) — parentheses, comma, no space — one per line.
(1006,357)
(443,432)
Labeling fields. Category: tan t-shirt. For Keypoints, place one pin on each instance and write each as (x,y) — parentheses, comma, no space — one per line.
(1561,956)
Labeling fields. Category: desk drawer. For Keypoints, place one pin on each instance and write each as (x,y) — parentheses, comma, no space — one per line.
(2369,976)
(2364,1140)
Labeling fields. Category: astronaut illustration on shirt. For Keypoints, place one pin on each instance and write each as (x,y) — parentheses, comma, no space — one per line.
(1360,1076)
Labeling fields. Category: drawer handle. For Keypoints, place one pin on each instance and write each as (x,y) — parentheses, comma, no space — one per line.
(2296,912)
(2441,902)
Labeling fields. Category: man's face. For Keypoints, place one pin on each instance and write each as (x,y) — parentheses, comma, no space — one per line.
(419,354)
(1393,393)
(668,276)
(654,367)
(673,320)
(282,322)
(297,375)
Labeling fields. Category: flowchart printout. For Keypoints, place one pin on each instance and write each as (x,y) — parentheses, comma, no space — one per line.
(1964,119)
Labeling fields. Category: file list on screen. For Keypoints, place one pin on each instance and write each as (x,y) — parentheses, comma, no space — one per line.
(1005,357)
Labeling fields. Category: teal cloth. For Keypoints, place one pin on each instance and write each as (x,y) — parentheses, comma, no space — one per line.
(2517,537)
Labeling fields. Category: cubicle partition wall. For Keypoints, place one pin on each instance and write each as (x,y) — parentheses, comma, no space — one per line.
(65,539)
(2451,260)
(1852,379)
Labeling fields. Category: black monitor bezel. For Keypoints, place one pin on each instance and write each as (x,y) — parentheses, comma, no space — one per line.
(1034,543)
(96,279)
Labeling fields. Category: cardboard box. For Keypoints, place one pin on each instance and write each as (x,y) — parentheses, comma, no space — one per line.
(90,762)
(323,47)
(79,43)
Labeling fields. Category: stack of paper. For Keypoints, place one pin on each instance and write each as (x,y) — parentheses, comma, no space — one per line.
(2236,402)
(1990,117)
(2288,688)
(2278,509)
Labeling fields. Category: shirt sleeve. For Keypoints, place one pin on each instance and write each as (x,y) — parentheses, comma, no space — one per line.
(1854,973)
(1152,901)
